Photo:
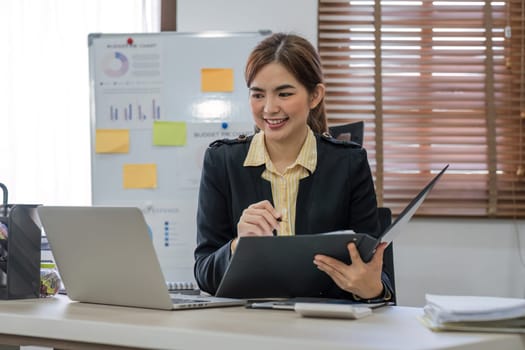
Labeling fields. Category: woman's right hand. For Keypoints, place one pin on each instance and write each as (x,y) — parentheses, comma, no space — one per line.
(259,219)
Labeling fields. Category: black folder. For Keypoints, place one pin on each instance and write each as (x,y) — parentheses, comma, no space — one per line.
(282,266)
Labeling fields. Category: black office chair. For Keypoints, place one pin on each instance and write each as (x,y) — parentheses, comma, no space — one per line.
(348,132)
(385,219)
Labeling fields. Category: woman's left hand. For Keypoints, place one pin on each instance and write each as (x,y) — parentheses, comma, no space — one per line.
(360,278)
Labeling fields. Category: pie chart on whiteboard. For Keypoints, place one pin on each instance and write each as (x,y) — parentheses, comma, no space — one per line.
(115,64)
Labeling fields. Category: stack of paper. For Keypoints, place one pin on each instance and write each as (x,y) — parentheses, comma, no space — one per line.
(474,313)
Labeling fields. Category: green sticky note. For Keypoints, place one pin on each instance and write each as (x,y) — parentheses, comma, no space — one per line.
(169,133)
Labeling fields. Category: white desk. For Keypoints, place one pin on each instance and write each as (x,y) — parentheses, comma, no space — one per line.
(57,322)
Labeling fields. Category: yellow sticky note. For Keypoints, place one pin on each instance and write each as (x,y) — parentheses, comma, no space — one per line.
(217,79)
(169,133)
(139,176)
(111,141)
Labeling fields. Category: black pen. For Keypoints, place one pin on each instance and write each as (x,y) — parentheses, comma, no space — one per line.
(279,219)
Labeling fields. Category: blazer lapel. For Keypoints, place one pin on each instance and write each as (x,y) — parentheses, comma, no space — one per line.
(305,197)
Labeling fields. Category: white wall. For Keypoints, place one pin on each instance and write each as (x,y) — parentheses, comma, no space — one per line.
(297,16)
(460,256)
(449,256)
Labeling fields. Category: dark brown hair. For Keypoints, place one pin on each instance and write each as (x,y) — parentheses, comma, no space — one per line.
(301,59)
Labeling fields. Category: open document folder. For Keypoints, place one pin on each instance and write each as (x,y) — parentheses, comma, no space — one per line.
(474,313)
(282,266)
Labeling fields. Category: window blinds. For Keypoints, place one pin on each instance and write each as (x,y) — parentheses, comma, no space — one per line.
(436,82)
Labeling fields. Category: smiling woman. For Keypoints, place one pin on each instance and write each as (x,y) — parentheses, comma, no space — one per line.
(290,178)
(44,127)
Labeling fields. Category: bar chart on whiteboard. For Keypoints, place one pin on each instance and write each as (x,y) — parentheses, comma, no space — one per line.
(128,85)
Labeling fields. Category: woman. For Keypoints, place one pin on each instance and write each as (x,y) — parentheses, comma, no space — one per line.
(289,178)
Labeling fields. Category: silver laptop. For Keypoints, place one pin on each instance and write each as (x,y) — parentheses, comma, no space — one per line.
(105,255)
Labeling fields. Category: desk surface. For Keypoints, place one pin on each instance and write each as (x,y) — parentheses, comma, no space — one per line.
(58,322)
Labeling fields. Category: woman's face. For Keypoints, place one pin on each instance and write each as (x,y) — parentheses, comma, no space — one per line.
(280,104)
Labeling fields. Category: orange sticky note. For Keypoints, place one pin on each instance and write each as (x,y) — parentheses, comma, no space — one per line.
(111,141)
(217,79)
(139,176)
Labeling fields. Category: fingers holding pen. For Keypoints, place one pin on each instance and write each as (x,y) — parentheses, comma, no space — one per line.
(254,224)
(259,219)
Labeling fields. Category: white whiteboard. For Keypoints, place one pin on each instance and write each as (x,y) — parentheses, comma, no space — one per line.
(157,101)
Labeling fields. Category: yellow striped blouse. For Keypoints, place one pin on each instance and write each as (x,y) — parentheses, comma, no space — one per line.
(284,186)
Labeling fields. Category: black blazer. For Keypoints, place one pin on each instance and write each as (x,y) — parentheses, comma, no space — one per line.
(338,195)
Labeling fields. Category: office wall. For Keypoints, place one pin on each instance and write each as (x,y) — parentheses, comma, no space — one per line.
(458,256)
(298,16)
